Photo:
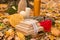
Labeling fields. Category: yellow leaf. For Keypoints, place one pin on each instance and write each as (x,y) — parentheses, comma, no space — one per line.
(51,37)
(20,35)
(15,19)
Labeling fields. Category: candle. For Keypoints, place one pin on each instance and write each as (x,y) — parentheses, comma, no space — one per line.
(37,7)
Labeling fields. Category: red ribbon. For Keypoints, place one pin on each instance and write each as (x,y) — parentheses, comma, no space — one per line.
(47,24)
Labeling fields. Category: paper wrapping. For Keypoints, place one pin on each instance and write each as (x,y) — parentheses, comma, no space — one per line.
(27,27)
